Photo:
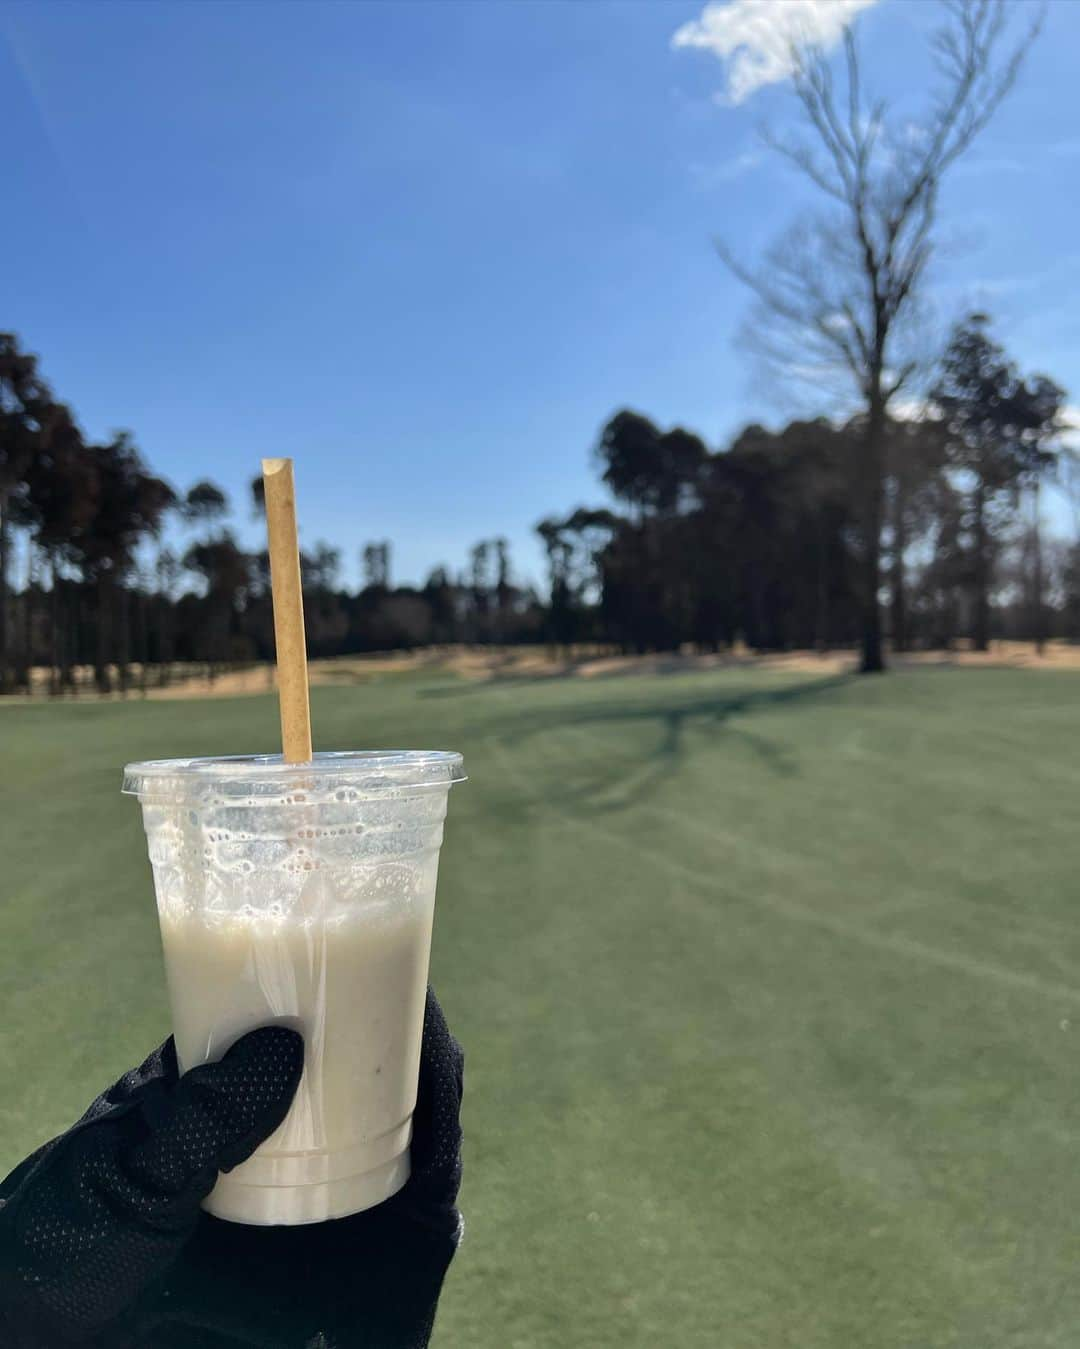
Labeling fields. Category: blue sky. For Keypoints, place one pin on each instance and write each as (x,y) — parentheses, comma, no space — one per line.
(427,249)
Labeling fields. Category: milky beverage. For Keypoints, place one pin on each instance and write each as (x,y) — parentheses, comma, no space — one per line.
(304,894)
(356,990)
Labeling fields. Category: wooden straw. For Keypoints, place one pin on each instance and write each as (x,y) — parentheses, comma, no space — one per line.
(289,639)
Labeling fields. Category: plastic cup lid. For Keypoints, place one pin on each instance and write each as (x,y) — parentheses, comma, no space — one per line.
(359,773)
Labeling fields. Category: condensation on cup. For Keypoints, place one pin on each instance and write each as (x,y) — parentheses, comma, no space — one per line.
(304,894)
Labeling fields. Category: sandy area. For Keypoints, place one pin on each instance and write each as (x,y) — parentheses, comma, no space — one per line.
(483,663)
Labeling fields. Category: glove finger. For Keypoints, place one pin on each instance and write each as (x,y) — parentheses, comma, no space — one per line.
(218,1113)
(158,1067)
(436,1147)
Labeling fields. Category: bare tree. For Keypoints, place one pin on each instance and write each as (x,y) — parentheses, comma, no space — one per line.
(838,294)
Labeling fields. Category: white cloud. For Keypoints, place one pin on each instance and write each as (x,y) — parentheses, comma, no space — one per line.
(755,37)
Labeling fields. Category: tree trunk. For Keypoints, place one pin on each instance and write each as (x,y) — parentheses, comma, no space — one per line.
(123,644)
(144,641)
(55,677)
(897,595)
(165,640)
(5,673)
(101,649)
(70,602)
(873,657)
(757,606)
(29,613)
(1039,614)
(821,606)
(981,615)
(71,646)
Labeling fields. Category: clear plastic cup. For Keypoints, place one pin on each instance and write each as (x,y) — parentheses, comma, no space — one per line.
(304,894)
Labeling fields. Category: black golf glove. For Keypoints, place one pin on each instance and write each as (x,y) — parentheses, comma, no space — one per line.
(103,1242)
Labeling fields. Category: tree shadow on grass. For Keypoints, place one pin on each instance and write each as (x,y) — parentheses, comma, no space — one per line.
(463,686)
(601,784)
(505,676)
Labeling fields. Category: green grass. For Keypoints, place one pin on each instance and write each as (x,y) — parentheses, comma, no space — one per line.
(768,985)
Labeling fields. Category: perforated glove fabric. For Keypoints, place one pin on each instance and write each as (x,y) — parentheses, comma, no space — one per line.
(92,1217)
(371,1280)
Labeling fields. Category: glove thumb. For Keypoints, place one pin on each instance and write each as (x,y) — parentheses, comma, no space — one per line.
(217,1114)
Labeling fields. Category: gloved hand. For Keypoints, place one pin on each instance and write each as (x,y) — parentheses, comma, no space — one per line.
(103,1243)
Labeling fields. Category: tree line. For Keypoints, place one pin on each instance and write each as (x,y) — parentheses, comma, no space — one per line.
(763,543)
(104,599)
(759,543)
